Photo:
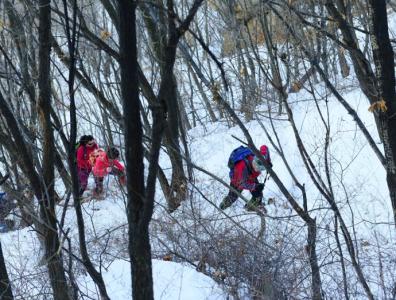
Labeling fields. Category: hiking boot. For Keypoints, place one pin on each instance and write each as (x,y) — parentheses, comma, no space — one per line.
(254,203)
(226,203)
(258,208)
(98,193)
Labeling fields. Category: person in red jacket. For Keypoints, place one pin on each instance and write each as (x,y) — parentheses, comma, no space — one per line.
(107,163)
(244,177)
(86,148)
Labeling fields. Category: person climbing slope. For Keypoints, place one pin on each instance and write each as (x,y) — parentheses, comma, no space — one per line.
(106,162)
(86,147)
(245,167)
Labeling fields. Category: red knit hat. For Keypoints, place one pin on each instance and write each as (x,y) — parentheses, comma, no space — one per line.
(264,151)
(257,163)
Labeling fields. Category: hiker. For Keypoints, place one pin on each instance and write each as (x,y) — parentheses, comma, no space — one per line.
(106,162)
(86,147)
(245,168)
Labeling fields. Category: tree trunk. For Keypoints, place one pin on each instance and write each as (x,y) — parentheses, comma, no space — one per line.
(46,201)
(139,208)
(71,34)
(343,62)
(385,72)
(56,272)
(5,285)
(362,67)
(313,261)
(169,95)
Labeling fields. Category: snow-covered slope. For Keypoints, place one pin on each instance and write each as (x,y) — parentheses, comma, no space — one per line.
(359,187)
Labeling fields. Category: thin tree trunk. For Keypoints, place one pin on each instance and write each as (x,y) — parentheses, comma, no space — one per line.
(361,64)
(342,260)
(343,62)
(313,261)
(47,203)
(72,41)
(5,285)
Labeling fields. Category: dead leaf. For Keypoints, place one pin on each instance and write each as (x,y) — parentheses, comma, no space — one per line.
(296,86)
(167,257)
(378,106)
(104,35)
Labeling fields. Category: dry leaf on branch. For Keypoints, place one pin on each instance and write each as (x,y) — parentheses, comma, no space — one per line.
(167,257)
(104,35)
(378,106)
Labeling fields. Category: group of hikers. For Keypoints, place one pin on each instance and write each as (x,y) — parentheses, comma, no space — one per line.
(91,158)
(245,168)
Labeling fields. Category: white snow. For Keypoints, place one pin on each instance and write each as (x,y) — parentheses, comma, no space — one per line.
(354,166)
(171,281)
(359,185)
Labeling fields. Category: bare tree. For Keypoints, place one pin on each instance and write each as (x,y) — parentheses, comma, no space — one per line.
(47,200)
(141,198)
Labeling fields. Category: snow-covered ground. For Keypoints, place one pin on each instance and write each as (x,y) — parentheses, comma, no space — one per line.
(105,220)
(199,228)
(358,181)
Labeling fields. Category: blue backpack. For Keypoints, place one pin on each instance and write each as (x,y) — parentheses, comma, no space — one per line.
(236,155)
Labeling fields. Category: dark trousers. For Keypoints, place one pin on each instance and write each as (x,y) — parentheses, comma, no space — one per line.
(99,184)
(99,180)
(256,193)
(83,175)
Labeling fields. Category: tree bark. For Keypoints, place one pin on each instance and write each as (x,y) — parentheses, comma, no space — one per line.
(139,208)
(46,201)
(361,64)
(169,95)
(72,38)
(5,285)
(313,261)
(385,73)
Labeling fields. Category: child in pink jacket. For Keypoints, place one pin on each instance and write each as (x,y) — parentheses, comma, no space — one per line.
(107,163)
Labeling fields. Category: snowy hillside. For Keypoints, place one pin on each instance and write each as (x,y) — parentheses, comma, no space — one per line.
(366,205)
(312,80)
(106,230)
